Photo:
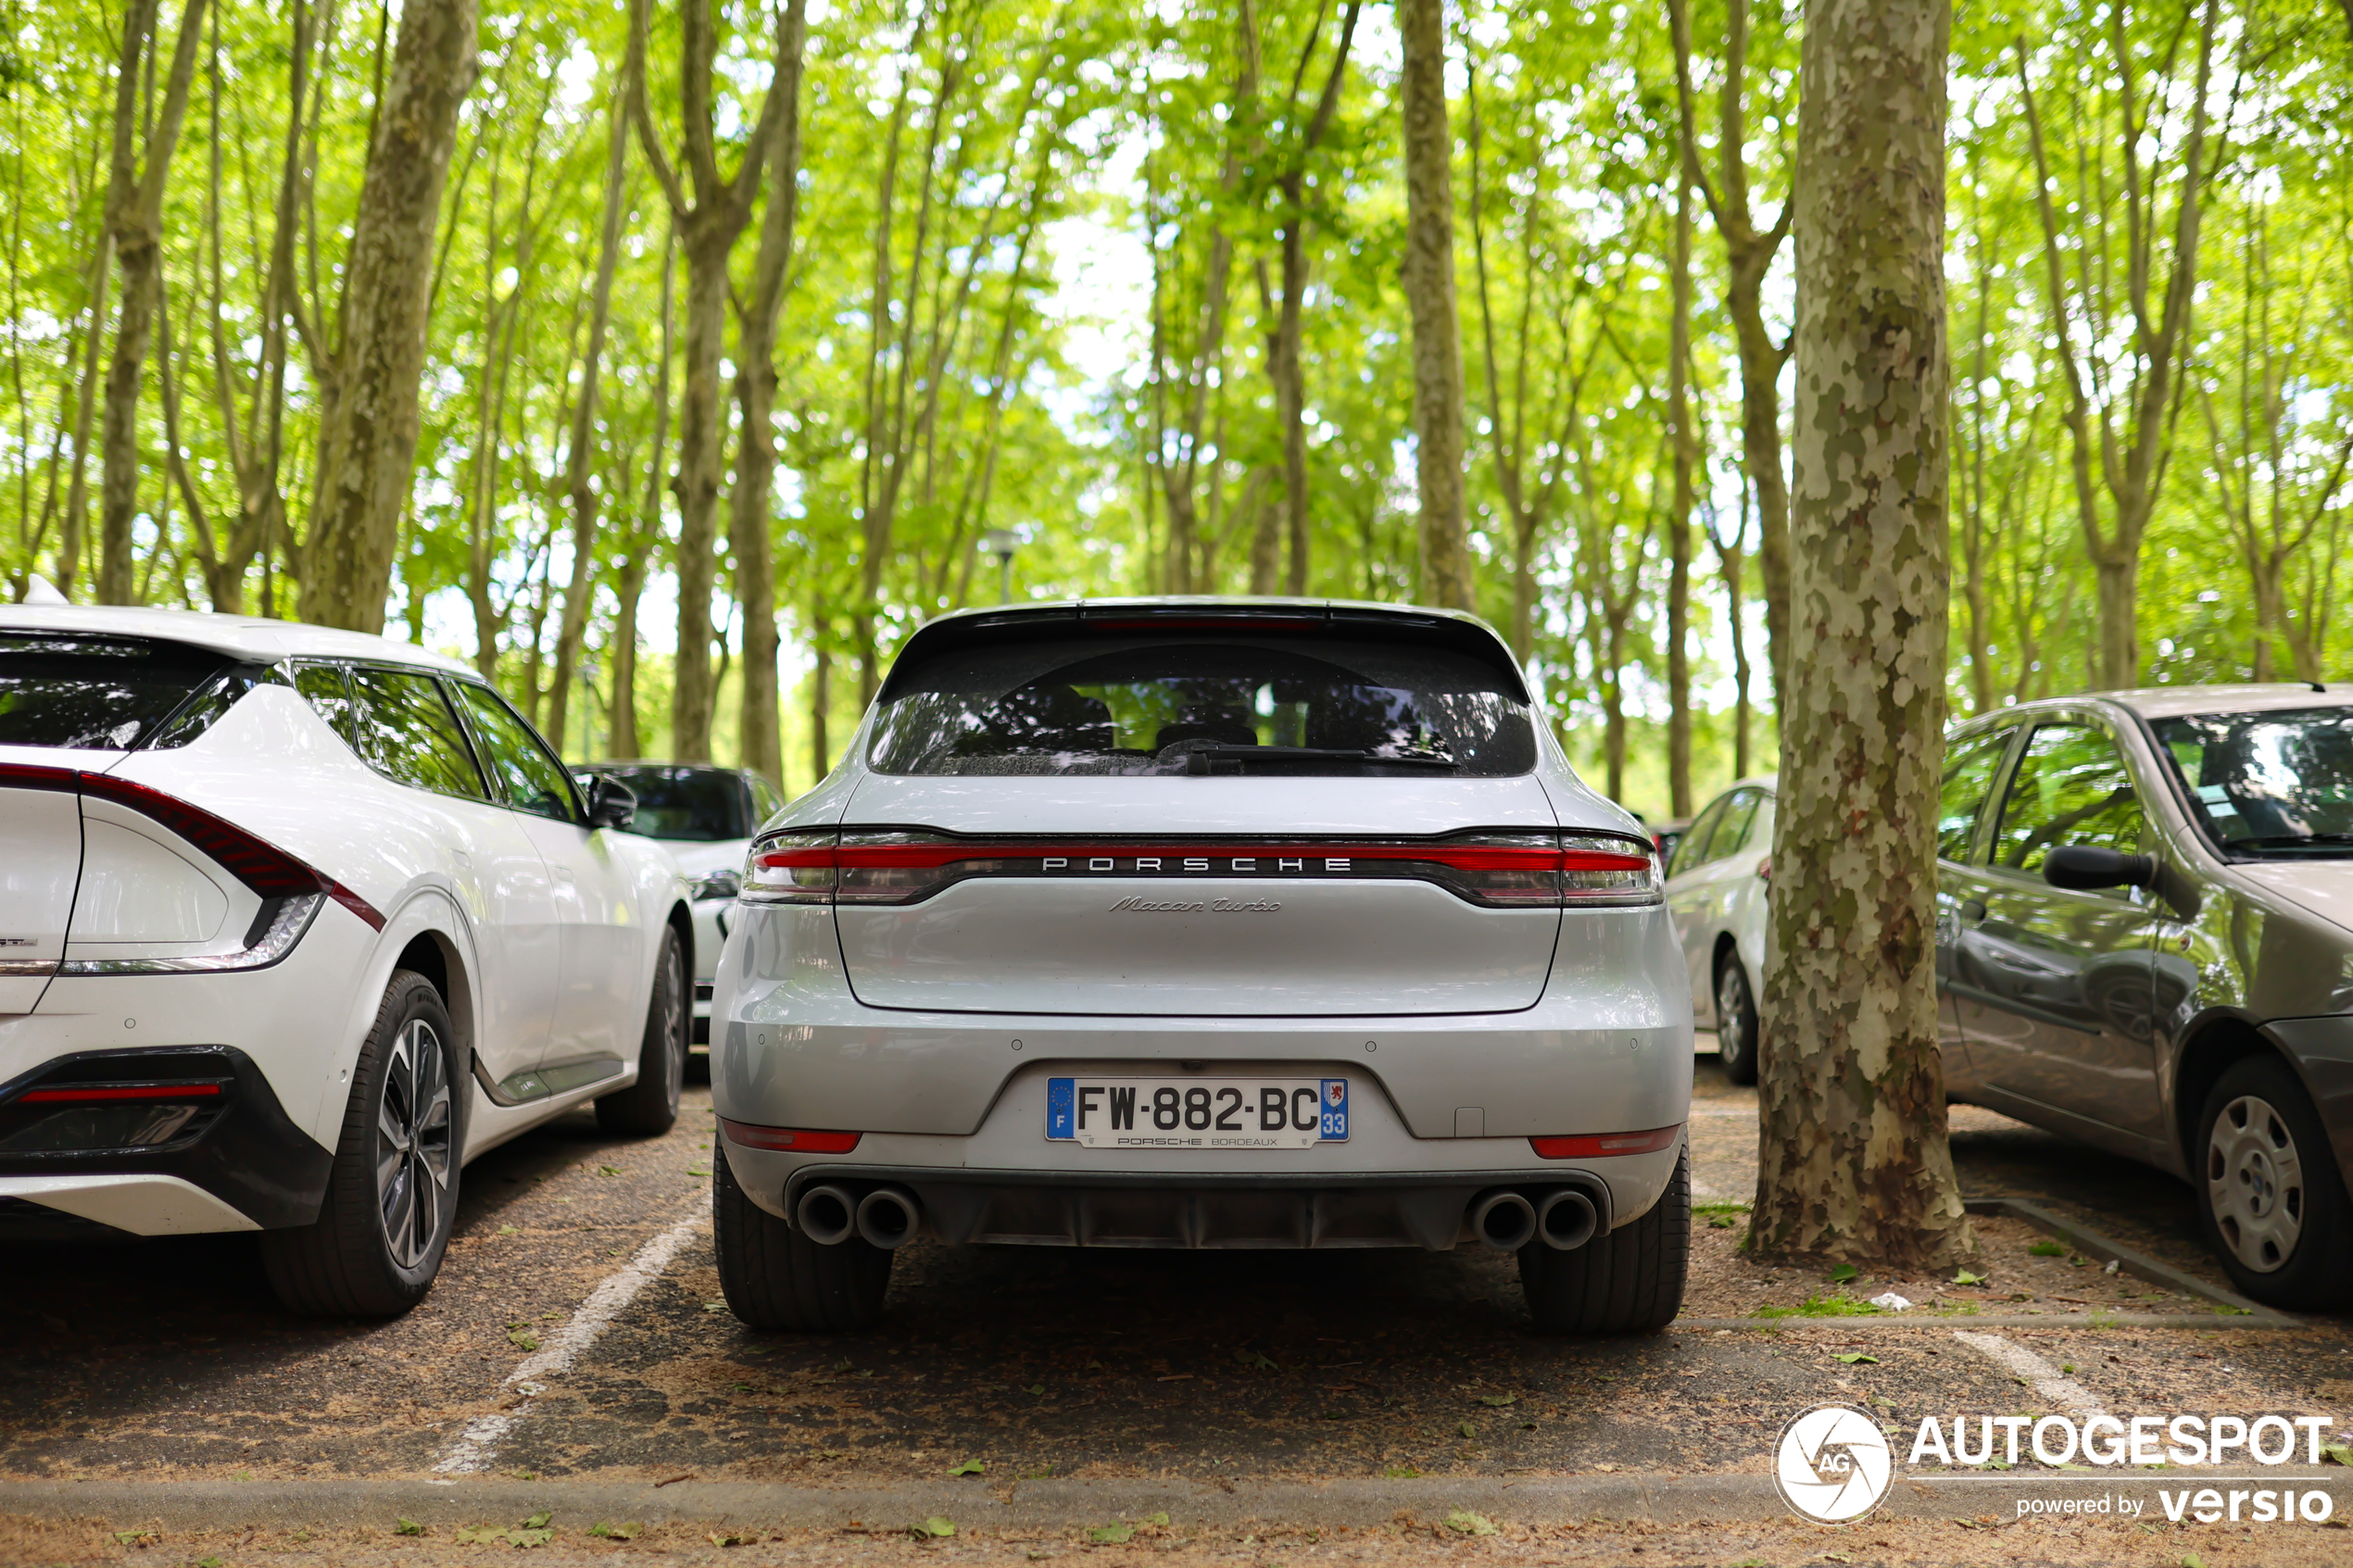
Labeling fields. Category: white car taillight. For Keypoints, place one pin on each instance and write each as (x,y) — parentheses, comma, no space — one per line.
(290,891)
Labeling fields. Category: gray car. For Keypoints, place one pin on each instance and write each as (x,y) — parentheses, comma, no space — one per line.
(1203,923)
(2145,940)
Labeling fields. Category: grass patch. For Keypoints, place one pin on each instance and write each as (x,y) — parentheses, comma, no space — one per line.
(1838,1306)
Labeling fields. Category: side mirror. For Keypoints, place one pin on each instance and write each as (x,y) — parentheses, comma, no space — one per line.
(611,804)
(2084,868)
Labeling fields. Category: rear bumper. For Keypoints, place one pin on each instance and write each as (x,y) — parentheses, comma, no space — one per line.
(245,1166)
(1304,1211)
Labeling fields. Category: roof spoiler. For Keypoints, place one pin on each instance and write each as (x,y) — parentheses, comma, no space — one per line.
(1352,622)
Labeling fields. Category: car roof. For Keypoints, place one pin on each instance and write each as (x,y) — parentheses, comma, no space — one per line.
(2170,702)
(251,638)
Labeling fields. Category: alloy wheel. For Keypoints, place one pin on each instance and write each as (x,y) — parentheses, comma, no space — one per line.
(2255,1183)
(1731,1012)
(674,1022)
(413,1153)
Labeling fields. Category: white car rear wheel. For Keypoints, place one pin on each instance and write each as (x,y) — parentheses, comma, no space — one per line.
(392,1193)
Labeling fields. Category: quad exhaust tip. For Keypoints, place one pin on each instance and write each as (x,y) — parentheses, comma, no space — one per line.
(888,1217)
(1504,1221)
(1566,1220)
(827,1214)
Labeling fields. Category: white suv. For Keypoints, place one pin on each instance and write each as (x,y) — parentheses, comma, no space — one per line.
(1203,923)
(292,923)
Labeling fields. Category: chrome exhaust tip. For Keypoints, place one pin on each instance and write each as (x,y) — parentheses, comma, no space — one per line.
(1566,1220)
(827,1215)
(1504,1221)
(886,1218)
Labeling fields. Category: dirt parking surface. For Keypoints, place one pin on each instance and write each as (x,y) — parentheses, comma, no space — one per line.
(169,1362)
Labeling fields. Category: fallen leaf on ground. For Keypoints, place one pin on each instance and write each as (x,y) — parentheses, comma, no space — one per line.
(937,1526)
(616,1532)
(1857,1358)
(1465,1522)
(1112,1535)
(408,1527)
(970,1467)
(1499,1400)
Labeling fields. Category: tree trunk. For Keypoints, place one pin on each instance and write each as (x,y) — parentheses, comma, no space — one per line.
(708,222)
(1430,292)
(624,741)
(1748,253)
(1678,519)
(760,727)
(368,440)
(574,629)
(821,702)
(1852,1162)
(134,219)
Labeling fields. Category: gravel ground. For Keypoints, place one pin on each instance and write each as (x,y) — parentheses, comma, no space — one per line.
(1409,1540)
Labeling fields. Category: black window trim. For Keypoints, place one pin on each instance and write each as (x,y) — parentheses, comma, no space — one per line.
(1989,822)
(2010,728)
(490,795)
(579,817)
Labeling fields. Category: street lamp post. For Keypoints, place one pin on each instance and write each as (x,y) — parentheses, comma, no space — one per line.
(1001,542)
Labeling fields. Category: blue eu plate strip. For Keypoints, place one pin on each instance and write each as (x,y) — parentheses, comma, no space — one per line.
(1335,1123)
(1059,1119)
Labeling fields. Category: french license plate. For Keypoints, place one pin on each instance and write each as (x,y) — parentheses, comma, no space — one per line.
(1197,1113)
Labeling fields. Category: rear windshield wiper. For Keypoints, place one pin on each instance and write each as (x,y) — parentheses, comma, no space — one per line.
(1197,762)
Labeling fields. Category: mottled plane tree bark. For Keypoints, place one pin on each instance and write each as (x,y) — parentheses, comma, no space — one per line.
(1853,1160)
(1429,294)
(368,435)
(135,222)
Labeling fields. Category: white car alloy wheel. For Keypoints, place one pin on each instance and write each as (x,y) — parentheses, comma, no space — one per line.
(2255,1183)
(414,1155)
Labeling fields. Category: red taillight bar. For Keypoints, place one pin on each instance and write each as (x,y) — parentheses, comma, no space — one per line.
(1599,1146)
(793,1140)
(119,1091)
(260,865)
(1460,856)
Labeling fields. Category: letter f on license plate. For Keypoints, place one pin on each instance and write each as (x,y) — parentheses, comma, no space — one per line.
(1197,1113)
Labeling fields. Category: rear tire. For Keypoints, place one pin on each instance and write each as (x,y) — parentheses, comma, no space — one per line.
(1736,1023)
(2270,1199)
(1628,1281)
(392,1192)
(650,1106)
(776,1278)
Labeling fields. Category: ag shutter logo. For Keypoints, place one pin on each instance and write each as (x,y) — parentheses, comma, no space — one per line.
(1832,1464)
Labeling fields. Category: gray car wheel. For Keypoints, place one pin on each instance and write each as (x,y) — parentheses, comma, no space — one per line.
(2272,1203)
(1736,1027)
(649,1106)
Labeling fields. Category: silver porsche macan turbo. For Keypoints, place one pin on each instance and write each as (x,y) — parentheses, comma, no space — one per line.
(1202,923)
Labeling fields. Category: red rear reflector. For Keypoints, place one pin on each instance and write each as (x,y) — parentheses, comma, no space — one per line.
(1596,1146)
(795,1140)
(122,1091)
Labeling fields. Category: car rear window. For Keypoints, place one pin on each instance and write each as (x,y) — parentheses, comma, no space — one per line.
(696,805)
(1205,703)
(99,694)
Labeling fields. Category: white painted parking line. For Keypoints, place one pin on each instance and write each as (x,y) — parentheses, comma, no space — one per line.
(471,1451)
(2039,1374)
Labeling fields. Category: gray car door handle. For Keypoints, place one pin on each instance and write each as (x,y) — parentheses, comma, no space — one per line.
(1973,908)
